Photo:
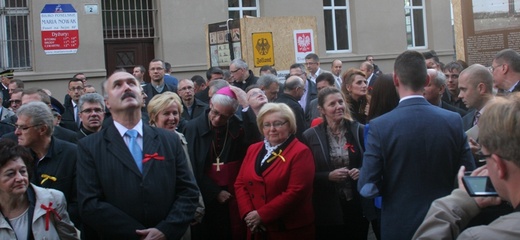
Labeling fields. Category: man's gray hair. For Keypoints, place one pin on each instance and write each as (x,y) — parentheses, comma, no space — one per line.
(40,115)
(440,79)
(239,63)
(224,100)
(91,98)
(266,80)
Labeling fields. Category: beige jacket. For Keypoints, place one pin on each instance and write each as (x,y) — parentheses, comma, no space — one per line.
(448,215)
(63,229)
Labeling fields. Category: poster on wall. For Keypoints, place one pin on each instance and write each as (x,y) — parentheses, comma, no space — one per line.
(59,29)
(303,44)
(224,43)
(485,27)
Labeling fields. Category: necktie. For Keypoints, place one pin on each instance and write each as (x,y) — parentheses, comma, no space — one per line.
(76,115)
(136,151)
(477,116)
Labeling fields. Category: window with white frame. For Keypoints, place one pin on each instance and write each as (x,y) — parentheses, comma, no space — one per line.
(337,25)
(415,18)
(240,8)
(14,35)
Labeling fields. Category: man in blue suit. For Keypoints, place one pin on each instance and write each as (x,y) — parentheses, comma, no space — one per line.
(412,153)
(133,179)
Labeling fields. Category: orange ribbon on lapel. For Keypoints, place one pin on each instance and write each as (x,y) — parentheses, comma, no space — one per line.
(48,211)
(148,157)
(46,177)
(275,155)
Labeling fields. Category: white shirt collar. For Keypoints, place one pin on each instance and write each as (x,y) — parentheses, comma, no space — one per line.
(122,129)
(410,97)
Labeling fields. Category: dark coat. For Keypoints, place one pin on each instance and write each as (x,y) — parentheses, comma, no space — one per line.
(326,201)
(452,108)
(298,113)
(67,118)
(7,97)
(60,162)
(115,198)
(251,80)
(312,93)
(151,92)
(199,136)
(252,132)
(468,119)
(198,108)
(412,157)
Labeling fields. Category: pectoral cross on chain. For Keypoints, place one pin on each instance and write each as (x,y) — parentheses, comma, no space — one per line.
(218,163)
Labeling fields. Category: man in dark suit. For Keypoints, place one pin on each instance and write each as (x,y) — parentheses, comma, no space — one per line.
(412,153)
(368,69)
(70,118)
(506,71)
(5,79)
(157,85)
(433,92)
(310,92)
(193,107)
(294,89)
(476,90)
(55,159)
(133,186)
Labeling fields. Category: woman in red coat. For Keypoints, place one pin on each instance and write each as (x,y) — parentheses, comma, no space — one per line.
(274,185)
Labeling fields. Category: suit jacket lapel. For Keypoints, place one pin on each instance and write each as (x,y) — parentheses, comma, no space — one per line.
(151,145)
(117,147)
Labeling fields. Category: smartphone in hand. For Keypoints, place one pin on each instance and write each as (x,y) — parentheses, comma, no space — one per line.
(479,186)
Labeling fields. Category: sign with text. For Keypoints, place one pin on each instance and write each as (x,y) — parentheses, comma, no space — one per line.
(303,44)
(485,27)
(59,28)
(263,49)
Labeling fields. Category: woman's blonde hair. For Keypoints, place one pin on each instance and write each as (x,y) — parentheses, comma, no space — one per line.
(160,102)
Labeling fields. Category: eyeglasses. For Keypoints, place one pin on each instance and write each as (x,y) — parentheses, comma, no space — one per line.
(220,115)
(15,101)
(276,124)
(73,89)
(481,157)
(156,69)
(92,110)
(25,128)
(235,70)
(492,69)
(310,63)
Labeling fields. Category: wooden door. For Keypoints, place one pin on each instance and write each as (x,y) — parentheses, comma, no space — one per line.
(127,54)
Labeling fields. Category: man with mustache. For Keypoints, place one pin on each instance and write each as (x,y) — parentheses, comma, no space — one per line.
(92,114)
(133,179)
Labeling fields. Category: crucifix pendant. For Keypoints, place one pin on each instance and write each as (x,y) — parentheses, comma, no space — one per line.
(218,163)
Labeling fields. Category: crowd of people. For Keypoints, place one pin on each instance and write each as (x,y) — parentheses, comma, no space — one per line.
(319,155)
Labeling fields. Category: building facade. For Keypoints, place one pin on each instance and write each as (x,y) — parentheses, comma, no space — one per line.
(125,33)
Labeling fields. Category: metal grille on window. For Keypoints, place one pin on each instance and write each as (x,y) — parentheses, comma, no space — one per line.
(240,8)
(15,42)
(124,19)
